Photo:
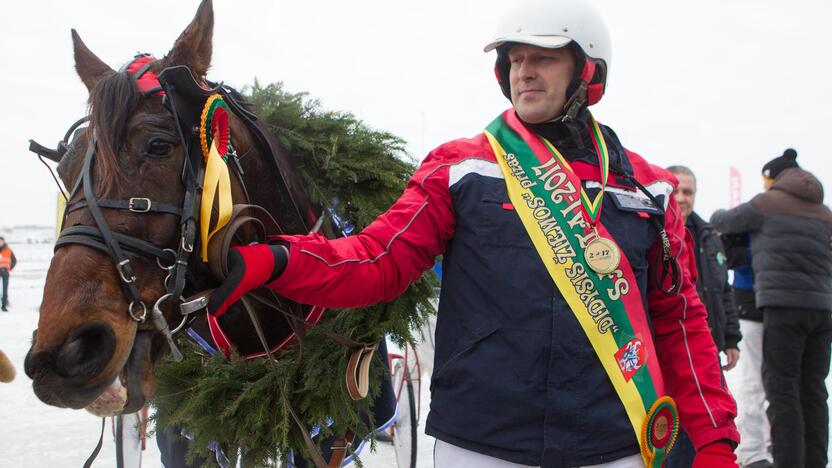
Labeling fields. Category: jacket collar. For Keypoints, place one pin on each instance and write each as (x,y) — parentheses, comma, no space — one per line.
(697,225)
(574,140)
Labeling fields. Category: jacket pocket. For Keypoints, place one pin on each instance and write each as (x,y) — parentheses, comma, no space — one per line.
(497,221)
(471,343)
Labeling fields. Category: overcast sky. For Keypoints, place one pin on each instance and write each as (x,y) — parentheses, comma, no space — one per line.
(709,84)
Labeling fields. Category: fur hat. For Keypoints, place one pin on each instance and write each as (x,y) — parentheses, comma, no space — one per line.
(777,165)
(7,371)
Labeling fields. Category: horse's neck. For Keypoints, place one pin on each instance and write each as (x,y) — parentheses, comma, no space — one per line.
(271,182)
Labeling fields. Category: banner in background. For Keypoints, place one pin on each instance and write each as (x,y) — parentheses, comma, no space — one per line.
(734,187)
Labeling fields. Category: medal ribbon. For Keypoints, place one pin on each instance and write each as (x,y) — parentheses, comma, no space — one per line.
(591,208)
(217,184)
(214,136)
(548,197)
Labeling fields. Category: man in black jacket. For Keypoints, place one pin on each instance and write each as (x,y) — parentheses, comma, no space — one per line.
(712,281)
(790,231)
(712,287)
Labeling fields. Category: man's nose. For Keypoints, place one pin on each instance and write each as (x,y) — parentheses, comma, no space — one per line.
(526,71)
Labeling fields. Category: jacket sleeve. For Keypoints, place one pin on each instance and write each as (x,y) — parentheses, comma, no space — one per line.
(686,351)
(742,218)
(379,263)
(14,262)
(732,324)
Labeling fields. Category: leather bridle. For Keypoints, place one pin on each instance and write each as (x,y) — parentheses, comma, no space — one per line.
(180,88)
(174,260)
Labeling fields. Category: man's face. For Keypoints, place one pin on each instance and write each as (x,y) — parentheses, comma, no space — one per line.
(685,194)
(539,78)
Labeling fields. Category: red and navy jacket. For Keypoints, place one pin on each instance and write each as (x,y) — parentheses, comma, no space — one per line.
(515,377)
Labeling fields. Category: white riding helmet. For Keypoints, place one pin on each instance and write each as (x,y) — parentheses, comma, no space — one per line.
(554,24)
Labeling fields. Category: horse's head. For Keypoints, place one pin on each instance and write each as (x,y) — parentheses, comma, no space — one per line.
(90,345)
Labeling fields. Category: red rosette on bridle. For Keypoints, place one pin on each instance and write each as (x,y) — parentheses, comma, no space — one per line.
(220,133)
(213,126)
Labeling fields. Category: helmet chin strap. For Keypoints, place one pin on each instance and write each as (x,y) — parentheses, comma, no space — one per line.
(579,97)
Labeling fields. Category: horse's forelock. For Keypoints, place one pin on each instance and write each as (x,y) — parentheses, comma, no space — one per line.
(112,101)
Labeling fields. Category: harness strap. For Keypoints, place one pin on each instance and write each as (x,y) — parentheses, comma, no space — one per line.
(125,270)
(256,218)
(135,204)
(310,445)
(339,449)
(91,237)
(358,371)
(97,449)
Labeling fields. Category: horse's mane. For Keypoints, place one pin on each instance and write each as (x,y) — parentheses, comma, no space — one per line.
(112,101)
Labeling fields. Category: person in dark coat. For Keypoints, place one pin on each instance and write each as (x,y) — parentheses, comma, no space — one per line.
(790,231)
(712,287)
(711,265)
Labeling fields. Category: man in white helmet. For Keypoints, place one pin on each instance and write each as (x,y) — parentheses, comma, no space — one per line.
(569,331)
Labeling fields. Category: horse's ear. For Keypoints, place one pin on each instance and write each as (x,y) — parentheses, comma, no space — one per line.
(193,48)
(89,67)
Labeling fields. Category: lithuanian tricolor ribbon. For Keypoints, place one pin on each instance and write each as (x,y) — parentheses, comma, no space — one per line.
(591,207)
(214,136)
(549,198)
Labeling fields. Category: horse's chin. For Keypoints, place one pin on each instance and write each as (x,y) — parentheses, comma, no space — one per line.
(126,394)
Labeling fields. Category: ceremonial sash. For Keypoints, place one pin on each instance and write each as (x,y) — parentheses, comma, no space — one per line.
(549,198)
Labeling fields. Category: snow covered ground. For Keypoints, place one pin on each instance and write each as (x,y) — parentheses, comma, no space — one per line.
(35,435)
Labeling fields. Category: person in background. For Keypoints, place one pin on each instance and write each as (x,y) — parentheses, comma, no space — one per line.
(712,287)
(755,431)
(7,263)
(790,230)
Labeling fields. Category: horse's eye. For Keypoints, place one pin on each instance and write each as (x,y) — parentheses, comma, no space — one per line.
(158,147)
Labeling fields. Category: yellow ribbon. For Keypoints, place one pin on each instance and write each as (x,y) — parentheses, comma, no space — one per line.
(217,184)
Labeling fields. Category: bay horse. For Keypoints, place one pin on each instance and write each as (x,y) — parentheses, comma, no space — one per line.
(127,252)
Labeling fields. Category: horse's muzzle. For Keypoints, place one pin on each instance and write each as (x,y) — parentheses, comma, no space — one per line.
(62,377)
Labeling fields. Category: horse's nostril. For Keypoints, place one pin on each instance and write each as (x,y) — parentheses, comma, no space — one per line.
(86,352)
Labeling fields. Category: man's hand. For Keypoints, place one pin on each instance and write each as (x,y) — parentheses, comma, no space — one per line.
(732,355)
(249,267)
(717,454)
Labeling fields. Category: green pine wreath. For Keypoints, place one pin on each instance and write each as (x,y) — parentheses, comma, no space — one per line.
(359,172)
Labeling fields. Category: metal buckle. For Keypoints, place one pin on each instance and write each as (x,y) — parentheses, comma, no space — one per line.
(186,246)
(346,446)
(187,308)
(120,268)
(132,202)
